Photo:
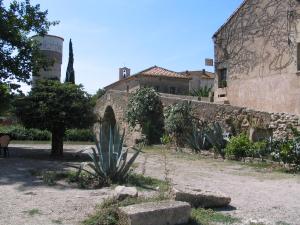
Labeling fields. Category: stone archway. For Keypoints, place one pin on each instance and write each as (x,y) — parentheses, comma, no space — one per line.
(108,122)
(109,118)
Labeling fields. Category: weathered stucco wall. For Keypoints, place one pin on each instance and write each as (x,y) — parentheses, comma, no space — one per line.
(278,123)
(258,47)
(197,83)
(162,84)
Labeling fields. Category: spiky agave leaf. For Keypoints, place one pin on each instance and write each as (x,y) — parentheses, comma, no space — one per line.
(110,164)
(124,171)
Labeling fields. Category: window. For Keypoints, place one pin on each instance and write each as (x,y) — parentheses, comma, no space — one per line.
(156,88)
(172,90)
(222,75)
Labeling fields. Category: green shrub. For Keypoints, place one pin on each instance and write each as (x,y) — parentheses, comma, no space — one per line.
(166,139)
(145,109)
(258,150)
(18,132)
(179,121)
(79,135)
(238,147)
(21,133)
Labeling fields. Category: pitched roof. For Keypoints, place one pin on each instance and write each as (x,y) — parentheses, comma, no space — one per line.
(154,71)
(230,18)
(200,73)
(161,72)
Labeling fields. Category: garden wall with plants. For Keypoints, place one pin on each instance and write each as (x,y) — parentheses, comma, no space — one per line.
(230,117)
(233,119)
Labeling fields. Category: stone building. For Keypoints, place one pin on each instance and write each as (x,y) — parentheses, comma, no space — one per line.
(200,79)
(257,55)
(162,80)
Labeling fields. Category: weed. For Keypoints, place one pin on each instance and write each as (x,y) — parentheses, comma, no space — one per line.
(282,223)
(208,216)
(57,221)
(33,212)
(147,183)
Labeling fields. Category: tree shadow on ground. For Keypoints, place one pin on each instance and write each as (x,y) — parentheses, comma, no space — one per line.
(18,169)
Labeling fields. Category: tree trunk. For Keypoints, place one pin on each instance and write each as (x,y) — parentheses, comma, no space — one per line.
(57,141)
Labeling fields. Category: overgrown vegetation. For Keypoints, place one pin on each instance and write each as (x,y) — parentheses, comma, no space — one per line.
(145,109)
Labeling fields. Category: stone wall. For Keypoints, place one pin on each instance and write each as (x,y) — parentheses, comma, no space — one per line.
(258,47)
(242,118)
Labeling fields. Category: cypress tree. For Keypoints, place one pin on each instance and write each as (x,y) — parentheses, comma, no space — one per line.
(70,74)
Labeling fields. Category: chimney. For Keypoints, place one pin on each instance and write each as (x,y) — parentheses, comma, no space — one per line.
(124,73)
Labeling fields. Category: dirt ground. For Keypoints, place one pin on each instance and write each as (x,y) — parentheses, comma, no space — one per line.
(261,196)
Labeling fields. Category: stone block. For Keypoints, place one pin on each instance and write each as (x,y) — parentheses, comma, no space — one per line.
(200,198)
(156,213)
(122,192)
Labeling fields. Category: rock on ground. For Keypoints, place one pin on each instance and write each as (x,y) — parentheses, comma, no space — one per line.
(156,213)
(122,192)
(201,198)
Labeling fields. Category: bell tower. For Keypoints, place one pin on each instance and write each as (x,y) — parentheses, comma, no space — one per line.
(124,73)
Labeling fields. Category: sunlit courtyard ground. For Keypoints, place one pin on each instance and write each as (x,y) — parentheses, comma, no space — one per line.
(258,193)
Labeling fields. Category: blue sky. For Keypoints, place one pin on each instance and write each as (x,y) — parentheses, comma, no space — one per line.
(108,34)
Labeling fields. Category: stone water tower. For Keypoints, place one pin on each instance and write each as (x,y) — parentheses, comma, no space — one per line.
(52,47)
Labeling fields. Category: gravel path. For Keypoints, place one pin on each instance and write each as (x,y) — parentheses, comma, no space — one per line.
(25,200)
(257,195)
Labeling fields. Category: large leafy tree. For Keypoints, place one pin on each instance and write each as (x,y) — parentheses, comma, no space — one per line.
(5,98)
(146,109)
(56,106)
(19,54)
(70,74)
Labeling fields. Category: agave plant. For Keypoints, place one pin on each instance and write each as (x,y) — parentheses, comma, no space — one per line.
(109,162)
(196,139)
(215,136)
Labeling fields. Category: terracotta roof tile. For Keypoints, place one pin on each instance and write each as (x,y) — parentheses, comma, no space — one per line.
(202,74)
(159,71)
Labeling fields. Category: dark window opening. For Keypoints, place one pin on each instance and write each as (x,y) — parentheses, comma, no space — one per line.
(156,88)
(222,78)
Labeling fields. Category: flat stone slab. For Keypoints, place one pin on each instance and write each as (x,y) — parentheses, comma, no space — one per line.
(156,213)
(201,198)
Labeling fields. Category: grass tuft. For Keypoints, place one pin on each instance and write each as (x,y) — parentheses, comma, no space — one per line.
(33,212)
(202,216)
(147,183)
